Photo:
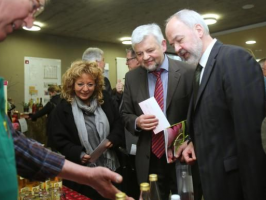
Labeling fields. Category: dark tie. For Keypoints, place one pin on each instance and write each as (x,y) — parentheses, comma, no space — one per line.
(196,83)
(158,139)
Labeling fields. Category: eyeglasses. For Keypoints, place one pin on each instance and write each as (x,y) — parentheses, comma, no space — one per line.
(37,8)
(129,59)
(89,85)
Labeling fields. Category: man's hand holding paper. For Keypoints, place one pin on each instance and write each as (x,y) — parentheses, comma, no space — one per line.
(153,112)
(147,122)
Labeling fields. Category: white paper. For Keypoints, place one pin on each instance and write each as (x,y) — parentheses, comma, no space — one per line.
(151,107)
(133,149)
(23,125)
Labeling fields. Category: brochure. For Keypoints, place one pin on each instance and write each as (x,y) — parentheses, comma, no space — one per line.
(174,137)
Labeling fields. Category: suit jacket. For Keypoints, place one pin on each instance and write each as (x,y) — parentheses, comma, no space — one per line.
(225,126)
(180,77)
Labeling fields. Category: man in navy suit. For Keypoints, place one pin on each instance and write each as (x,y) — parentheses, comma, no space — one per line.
(226,113)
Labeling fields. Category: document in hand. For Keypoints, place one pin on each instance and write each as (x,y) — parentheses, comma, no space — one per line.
(174,137)
(151,107)
(98,151)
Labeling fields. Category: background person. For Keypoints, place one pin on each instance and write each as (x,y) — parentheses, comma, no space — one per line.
(94,54)
(54,92)
(150,45)
(226,113)
(83,119)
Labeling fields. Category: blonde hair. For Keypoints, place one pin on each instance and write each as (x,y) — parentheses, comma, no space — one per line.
(75,71)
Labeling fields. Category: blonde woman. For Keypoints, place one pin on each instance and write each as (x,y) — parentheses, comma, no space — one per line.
(85,117)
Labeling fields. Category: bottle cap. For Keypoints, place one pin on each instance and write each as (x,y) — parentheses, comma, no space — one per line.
(144,186)
(120,196)
(175,197)
(153,177)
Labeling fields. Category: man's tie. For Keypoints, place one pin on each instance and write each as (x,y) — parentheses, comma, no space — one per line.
(158,139)
(196,83)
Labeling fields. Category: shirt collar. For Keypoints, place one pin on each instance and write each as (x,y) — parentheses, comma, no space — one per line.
(165,64)
(206,54)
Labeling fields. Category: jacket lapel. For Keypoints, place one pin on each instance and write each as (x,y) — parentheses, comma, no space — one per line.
(173,79)
(143,83)
(208,69)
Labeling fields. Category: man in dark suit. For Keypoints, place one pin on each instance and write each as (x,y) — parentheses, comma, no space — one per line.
(150,45)
(226,113)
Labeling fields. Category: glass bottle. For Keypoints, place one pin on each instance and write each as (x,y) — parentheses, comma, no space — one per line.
(175,197)
(34,108)
(154,190)
(144,191)
(185,192)
(120,196)
(40,105)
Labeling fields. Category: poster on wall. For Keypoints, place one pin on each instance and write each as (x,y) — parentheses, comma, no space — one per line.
(39,74)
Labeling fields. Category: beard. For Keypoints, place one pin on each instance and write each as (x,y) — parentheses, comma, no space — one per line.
(195,52)
(151,68)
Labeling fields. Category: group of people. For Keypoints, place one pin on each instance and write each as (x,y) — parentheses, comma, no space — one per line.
(219,90)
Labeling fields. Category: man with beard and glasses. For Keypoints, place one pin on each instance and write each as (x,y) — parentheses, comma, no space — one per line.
(175,91)
(225,112)
(27,158)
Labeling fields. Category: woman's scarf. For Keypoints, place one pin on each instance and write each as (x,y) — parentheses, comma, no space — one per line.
(102,126)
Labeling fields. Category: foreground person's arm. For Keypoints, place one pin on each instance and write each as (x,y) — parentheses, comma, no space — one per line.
(99,178)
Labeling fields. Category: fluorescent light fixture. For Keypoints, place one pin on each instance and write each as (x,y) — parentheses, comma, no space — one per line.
(36,26)
(125,38)
(251,42)
(127,42)
(210,21)
(40,24)
(210,18)
(33,28)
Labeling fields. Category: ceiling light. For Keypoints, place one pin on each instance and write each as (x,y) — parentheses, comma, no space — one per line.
(127,42)
(210,21)
(210,18)
(125,38)
(248,6)
(40,24)
(251,42)
(33,28)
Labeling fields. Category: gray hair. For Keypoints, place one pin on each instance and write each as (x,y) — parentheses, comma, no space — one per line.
(131,51)
(190,18)
(262,61)
(93,54)
(139,34)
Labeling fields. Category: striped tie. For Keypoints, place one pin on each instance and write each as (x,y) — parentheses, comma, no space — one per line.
(158,139)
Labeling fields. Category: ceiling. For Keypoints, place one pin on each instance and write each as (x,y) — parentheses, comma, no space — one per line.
(109,20)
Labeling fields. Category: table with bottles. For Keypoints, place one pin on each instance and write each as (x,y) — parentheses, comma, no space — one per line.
(51,189)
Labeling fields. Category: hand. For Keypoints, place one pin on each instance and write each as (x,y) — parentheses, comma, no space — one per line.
(119,86)
(99,178)
(189,154)
(147,122)
(180,151)
(170,155)
(85,159)
(109,145)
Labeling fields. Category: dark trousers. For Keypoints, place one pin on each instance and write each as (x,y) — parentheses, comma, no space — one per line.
(166,175)
(130,183)
(196,182)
